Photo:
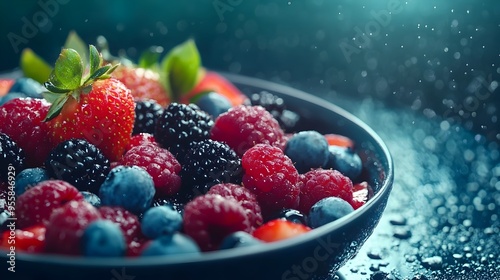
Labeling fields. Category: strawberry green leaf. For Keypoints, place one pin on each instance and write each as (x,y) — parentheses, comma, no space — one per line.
(56,107)
(33,66)
(150,57)
(55,89)
(180,68)
(51,97)
(98,73)
(95,59)
(68,70)
(73,41)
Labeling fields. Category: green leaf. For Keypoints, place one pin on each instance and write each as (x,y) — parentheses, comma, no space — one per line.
(180,68)
(98,73)
(150,57)
(68,70)
(55,89)
(33,66)
(56,107)
(95,59)
(51,97)
(73,41)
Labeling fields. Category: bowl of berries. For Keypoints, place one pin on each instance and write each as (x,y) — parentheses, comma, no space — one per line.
(165,169)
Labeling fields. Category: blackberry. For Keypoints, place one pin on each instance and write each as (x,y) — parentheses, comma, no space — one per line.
(276,106)
(79,163)
(12,158)
(146,114)
(207,163)
(181,124)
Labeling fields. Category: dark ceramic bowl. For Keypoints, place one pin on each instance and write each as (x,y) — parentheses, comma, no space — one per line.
(315,255)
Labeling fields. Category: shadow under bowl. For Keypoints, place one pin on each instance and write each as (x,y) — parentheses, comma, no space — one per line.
(315,255)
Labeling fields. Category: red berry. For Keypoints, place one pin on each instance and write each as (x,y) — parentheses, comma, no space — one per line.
(320,183)
(279,229)
(339,140)
(159,163)
(242,127)
(66,226)
(36,204)
(360,194)
(209,218)
(129,224)
(272,177)
(5,85)
(140,139)
(22,120)
(246,199)
(30,239)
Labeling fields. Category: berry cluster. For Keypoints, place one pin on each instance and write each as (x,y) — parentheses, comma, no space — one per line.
(106,170)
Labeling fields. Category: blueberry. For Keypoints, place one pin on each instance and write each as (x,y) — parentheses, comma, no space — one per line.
(160,220)
(29,87)
(291,215)
(11,95)
(174,244)
(328,210)
(103,238)
(130,187)
(308,150)
(238,239)
(345,160)
(30,177)
(92,198)
(213,103)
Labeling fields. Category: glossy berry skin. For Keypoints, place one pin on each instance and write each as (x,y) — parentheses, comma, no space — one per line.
(209,218)
(344,160)
(272,177)
(244,197)
(79,163)
(279,229)
(35,205)
(91,198)
(67,225)
(144,84)
(12,158)
(159,163)
(361,193)
(207,163)
(213,103)
(22,120)
(28,87)
(130,187)
(307,150)
(291,215)
(339,140)
(173,244)
(103,238)
(161,220)
(181,124)
(239,239)
(128,223)
(320,183)
(28,240)
(30,177)
(140,139)
(327,210)
(146,114)
(243,127)
(104,117)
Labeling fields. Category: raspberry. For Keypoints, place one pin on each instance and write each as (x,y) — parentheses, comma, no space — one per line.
(208,219)
(146,114)
(12,157)
(159,163)
(36,204)
(78,162)
(22,120)
(320,183)
(246,199)
(242,127)
(272,177)
(66,226)
(140,139)
(128,222)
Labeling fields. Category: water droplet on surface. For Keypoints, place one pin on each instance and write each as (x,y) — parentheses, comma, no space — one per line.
(434,263)
(402,233)
(398,220)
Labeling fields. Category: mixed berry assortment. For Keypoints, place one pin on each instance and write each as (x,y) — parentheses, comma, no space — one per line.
(114,161)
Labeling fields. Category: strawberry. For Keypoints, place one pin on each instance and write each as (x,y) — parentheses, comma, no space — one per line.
(30,239)
(279,229)
(143,83)
(96,108)
(5,85)
(339,140)
(360,194)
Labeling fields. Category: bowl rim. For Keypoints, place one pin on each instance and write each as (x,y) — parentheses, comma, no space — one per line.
(243,252)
